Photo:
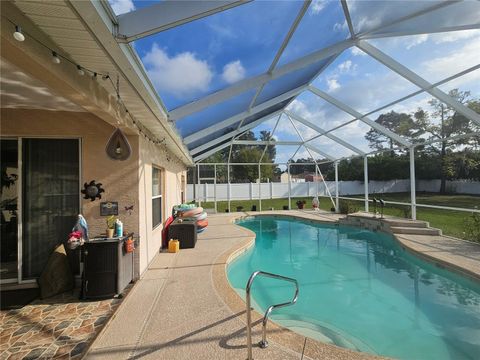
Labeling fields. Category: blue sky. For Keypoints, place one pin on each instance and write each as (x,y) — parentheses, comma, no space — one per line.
(201,57)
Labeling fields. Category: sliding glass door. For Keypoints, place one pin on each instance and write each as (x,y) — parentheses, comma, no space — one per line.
(39,203)
(9,210)
(50,198)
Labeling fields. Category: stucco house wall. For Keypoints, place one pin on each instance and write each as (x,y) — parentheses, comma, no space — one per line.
(127,182)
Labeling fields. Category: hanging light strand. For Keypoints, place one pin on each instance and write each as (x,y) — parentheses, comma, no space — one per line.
(20,35)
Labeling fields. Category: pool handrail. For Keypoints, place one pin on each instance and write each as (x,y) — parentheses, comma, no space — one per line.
(263,344)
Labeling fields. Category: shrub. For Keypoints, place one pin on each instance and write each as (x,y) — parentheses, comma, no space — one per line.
(472,227)
(347,207)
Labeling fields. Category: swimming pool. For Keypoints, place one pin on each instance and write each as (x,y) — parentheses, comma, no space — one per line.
(360,290)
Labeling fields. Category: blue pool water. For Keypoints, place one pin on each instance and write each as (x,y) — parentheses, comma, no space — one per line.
(360,290)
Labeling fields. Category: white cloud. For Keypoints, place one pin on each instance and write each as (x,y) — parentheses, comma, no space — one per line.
(453,62)
(416,40)
(180,75)
(333,85)
(357,52)
(340,27)
(317,6)
(233,72)
(122,6)
(347,66)
(455,36)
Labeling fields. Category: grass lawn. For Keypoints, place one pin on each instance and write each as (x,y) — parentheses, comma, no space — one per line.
(452,223)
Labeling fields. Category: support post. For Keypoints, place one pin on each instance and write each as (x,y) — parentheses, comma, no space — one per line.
(365,171)
(289,188)
(215,186)
(198,181)
(228,184)
(337,200)
(259,189)
(413,200)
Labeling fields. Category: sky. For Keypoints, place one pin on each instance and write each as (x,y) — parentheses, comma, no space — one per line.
(189,62)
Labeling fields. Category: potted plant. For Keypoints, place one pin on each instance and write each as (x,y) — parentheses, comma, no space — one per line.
(301,203)
(110,226)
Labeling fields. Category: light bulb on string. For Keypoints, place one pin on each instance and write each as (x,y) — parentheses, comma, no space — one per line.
(18,35)
(80,70)
(105,77)
(55,58)
(94,76)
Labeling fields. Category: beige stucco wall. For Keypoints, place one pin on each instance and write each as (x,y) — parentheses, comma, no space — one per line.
(152,155)
(128,182)
(119,178)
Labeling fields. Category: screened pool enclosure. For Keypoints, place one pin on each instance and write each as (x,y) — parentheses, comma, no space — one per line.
(312,80)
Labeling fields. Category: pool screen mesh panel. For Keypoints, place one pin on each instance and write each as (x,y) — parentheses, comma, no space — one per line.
(334,66)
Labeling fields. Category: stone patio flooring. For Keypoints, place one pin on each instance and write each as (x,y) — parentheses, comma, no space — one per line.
(60,327)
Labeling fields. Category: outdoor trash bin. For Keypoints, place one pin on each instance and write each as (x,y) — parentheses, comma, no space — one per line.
(185,231)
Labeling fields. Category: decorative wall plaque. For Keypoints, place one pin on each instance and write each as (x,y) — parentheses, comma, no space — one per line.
(108,208)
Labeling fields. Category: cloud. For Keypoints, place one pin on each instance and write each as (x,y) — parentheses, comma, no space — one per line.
(455,36)
(180,75)
(453,62)
(333,85)
(317,6)
(347,66)
(416,40)
(357,52)
(122,6)
(233,72)
(340,27)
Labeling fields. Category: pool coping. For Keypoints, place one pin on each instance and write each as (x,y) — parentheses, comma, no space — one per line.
(288,338)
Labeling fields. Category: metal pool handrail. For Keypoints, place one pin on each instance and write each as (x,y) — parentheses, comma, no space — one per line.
(263,344)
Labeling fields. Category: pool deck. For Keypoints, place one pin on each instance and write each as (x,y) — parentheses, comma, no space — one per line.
(184,308)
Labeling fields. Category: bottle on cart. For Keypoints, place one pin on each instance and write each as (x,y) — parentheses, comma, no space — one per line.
(118,228)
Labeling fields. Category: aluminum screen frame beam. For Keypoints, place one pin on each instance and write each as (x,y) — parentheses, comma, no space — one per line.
(266,142)
(233,133)
(323,132)
(418,81)
(165,15)
(359,116)
(238,117)
(247,84)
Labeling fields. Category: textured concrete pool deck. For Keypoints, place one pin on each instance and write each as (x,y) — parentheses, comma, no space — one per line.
(184,308)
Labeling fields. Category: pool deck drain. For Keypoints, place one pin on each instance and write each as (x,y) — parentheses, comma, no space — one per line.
(184,308)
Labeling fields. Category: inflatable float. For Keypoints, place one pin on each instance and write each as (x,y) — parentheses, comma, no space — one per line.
(192,211)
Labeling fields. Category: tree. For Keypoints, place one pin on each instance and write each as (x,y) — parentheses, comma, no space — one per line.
(401,124)
(443,123)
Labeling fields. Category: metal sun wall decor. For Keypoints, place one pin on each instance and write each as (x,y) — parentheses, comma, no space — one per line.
(92,191)
(118,147)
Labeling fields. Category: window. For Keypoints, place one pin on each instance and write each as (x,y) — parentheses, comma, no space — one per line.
(156,197)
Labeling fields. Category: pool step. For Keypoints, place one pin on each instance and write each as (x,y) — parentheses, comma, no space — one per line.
(415,230)
(407,223)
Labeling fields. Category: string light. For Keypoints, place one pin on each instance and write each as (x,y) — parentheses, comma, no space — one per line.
(80,70)
(18,35)
(55,58)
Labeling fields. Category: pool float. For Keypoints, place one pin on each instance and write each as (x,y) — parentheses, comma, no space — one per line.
(191,212)
(202,224)
(201,216)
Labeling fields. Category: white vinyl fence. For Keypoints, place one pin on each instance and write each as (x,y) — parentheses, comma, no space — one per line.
(250,191)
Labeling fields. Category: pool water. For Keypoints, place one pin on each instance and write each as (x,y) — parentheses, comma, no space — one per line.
(360,290)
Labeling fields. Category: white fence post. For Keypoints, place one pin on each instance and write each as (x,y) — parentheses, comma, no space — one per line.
(215,186)
(205,192)
(259,189)
(251,191)
(271,190)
